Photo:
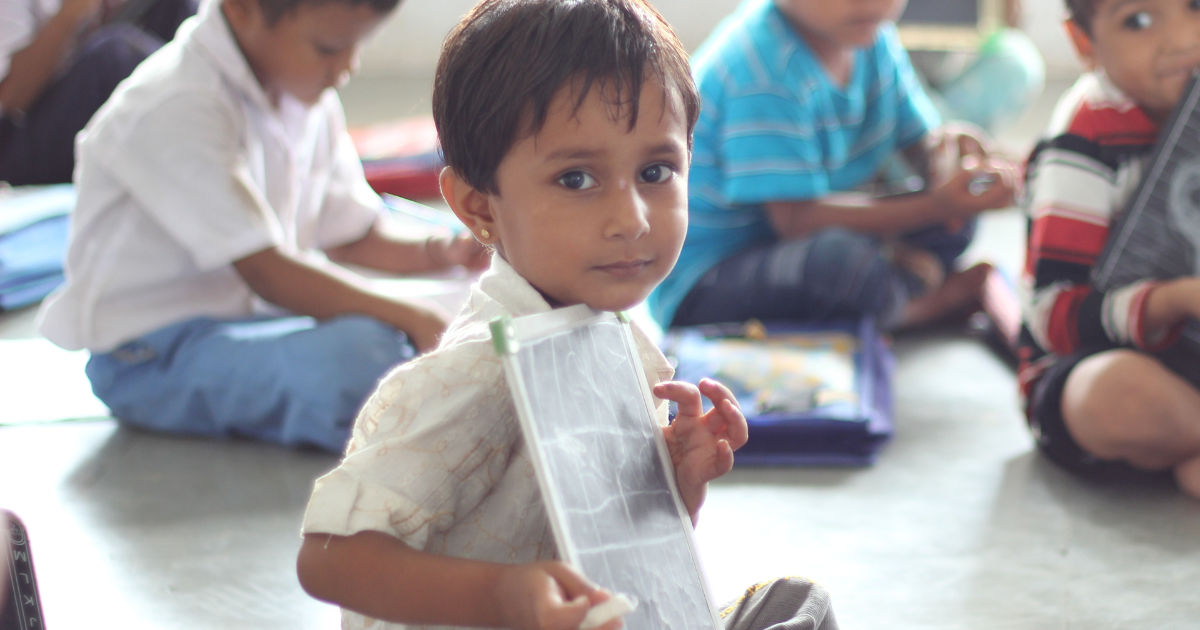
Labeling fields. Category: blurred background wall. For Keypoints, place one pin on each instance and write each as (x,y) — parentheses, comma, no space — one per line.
(407,46)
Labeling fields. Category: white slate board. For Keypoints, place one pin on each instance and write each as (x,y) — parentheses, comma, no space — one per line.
(602,463)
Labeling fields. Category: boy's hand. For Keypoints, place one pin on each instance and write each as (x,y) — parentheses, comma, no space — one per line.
(979,185)
(80,11)
(547,596)
(1171,303)
(701,444)
(424,324)
(459,249)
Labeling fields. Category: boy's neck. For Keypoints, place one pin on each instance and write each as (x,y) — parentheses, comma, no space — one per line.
(836,58)
(273,96)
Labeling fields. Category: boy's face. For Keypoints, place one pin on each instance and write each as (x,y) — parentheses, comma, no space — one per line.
(307,50)
(1148,48)
(589,211)
(841,23)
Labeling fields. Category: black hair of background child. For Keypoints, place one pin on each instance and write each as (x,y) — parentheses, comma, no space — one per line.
(1082,12)
(275,9)
(503,64)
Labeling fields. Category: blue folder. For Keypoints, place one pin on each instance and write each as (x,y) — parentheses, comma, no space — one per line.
(34,228)
(813,395)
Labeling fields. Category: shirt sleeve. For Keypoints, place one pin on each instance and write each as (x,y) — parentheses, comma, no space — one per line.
(427,449)
(18,27)
(1071,198)
(350,207)
(768,149)
(915,112)
(184,165)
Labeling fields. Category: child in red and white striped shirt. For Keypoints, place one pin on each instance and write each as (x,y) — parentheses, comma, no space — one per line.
(1097,401)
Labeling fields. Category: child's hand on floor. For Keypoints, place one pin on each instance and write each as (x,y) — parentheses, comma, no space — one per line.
(701,444)
(459,249)
(548,596)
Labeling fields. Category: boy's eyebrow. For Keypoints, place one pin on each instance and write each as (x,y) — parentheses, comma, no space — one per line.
(1116,6)
(570,153)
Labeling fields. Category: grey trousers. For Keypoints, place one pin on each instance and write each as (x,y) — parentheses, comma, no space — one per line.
(783,604)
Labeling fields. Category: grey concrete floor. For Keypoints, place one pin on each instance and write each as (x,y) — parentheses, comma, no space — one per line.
(959,525)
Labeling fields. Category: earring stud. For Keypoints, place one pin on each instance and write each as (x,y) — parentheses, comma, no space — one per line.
(484,233)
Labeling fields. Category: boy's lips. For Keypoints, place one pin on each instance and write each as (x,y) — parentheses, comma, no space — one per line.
(625,268)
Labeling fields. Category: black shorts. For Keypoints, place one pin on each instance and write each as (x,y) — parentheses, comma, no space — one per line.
(1056,443)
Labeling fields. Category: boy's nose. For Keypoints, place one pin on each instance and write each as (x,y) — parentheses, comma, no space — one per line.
(629,214)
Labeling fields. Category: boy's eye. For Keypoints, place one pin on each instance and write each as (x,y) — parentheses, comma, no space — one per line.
(577,180)
(1138,21)
(327,51)
(1194,5)
(656,174)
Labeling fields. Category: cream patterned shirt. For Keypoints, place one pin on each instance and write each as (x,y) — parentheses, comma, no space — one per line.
(437,458)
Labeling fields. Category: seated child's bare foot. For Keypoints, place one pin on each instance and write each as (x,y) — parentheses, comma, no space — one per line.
(960,291)
(920,263)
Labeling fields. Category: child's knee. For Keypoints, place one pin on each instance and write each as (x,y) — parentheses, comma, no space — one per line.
(117,49)
(366,340)
(791,602)
(853,273)
(1115,405)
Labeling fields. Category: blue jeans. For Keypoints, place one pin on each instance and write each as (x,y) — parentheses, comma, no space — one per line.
(835,274)
(290,380)
(40,149)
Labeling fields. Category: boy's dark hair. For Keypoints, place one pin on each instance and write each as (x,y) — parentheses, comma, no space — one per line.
(506,60)
(1082,12)
(275,9)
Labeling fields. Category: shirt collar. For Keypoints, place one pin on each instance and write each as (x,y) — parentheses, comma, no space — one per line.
(503,284)
(211,35)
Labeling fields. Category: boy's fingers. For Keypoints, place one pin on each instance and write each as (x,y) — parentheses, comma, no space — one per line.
(735,425)
(724,459)
(577,594)
(684,394)
(716,392)
(572,584)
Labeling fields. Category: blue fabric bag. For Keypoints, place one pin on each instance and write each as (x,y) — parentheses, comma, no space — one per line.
(34,228)
(813,395)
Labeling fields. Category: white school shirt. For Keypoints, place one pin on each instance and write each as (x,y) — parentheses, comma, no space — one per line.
(437,457)
(186,169)
(20,22)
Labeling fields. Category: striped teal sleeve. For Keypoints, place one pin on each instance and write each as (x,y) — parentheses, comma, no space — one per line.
(769,151)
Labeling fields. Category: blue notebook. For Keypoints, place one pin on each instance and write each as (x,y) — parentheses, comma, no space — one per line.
(818,395)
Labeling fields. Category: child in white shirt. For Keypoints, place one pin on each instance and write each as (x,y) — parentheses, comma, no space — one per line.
(214,189)
(574,169)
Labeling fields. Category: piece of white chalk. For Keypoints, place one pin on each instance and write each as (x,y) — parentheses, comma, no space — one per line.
(980,184)
(604,612)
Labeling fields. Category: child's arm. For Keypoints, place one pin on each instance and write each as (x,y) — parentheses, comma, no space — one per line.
(385,250)
(379,576)
(32,68)
(950,202)
(701,444)
(308,288)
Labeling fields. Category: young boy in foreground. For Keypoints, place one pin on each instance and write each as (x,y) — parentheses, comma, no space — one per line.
(804,101)
(1097,402)
(566,128)
(214,188)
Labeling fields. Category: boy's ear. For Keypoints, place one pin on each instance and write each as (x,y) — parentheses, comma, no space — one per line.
(239,12)
(1082,42)
(471,206)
